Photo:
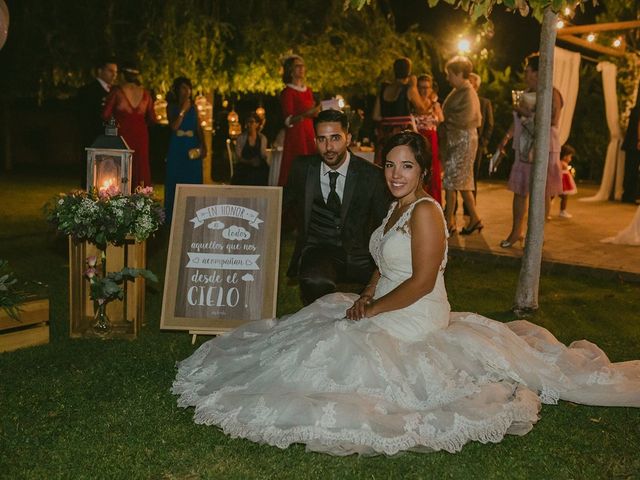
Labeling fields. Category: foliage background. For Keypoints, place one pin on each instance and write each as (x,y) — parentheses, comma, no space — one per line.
(234,50)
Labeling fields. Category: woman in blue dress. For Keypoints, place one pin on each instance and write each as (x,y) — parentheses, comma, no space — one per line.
(186,147)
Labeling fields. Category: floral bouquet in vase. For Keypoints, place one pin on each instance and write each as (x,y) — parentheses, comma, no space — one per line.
(106,217)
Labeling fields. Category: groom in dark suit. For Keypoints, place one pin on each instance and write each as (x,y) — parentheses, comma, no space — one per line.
(90,103)
(338,199)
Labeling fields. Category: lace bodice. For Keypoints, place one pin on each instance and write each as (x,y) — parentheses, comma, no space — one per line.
(392,253)
(392,250)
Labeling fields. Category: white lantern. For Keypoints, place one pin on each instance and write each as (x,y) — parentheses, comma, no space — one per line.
(109,162)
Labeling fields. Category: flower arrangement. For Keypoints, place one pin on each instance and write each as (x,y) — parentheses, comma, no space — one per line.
(106,217)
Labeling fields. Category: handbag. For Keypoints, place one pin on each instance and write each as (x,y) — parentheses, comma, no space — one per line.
(194,153)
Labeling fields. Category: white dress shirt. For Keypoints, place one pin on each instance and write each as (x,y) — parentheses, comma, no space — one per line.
(105,85)
(340,181)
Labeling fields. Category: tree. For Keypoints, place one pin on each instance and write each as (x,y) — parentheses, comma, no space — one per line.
(526,298)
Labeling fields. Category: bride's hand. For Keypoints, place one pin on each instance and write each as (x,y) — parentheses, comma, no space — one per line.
(359,309)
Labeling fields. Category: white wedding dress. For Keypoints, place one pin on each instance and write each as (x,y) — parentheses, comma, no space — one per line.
(628,236)
(420,378)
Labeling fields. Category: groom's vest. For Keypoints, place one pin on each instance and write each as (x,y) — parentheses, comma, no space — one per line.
(324,225)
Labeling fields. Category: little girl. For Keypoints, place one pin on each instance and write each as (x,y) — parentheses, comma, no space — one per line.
(568,184)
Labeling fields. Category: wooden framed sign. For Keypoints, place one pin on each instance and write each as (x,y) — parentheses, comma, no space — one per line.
(222,265)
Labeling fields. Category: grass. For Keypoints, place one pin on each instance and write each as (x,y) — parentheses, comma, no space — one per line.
(102,409)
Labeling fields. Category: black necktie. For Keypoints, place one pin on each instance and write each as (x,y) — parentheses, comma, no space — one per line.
(333,200)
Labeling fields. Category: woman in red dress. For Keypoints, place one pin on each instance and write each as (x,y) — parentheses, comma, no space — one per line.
(132,107)
(427,125)
(298,108)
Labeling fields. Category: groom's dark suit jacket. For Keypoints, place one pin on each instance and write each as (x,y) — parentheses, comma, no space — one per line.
(365,202)
(90,103)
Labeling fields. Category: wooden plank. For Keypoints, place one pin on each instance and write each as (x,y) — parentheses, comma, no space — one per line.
(31,312)
(598,27)
(28,337)
(593,46)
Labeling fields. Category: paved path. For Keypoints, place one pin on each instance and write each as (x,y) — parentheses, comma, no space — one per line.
(572,244)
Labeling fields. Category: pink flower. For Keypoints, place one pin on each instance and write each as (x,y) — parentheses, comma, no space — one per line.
(90,273)
(110,191)
(92,260)
(145,190)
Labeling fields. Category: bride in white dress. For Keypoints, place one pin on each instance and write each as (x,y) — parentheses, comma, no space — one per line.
(394,369)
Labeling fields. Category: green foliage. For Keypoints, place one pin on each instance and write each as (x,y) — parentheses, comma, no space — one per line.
(182,40)
(482,8)
(104,289)
(11,296)
(223,47)
(589,116)
(497,86)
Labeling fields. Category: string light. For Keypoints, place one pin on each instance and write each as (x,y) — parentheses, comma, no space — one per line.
(560,24)
(464,45)
(617,42)
(568,11)
(591,37)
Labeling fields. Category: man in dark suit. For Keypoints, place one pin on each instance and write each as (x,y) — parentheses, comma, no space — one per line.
(90,102)
(338,199)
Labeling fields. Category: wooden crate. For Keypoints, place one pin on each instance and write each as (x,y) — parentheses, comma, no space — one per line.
(126,316)
(31,329)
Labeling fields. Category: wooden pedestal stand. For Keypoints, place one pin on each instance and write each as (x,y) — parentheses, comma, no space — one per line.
(126,316)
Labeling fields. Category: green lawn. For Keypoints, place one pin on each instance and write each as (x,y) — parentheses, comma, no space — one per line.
(102,409)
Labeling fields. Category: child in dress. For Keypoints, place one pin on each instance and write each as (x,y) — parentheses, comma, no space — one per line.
(568,184)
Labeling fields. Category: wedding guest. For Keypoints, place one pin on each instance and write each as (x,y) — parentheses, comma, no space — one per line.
(90,102)
(459,133)
(132,107)
(485,130)
(568,183)
(337,199)
(522,130)
(298,109)
(187,147)
(631,147)
(395,103)
(427,125)
(251,155)
(394,369)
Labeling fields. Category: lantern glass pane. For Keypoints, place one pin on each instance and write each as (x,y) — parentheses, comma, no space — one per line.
(108,171)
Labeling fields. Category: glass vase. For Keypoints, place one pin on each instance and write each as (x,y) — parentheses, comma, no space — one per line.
(102,325)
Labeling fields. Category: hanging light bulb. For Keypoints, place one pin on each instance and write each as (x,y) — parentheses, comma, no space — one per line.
(464,45)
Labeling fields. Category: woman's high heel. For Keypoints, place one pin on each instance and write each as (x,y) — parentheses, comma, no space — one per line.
(452,229)
(472,228)
(508,244)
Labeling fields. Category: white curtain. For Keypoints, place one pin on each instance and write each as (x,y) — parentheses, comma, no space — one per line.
(613,172)
(566,78)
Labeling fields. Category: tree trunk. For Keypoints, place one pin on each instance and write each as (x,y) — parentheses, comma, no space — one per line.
(528,283)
